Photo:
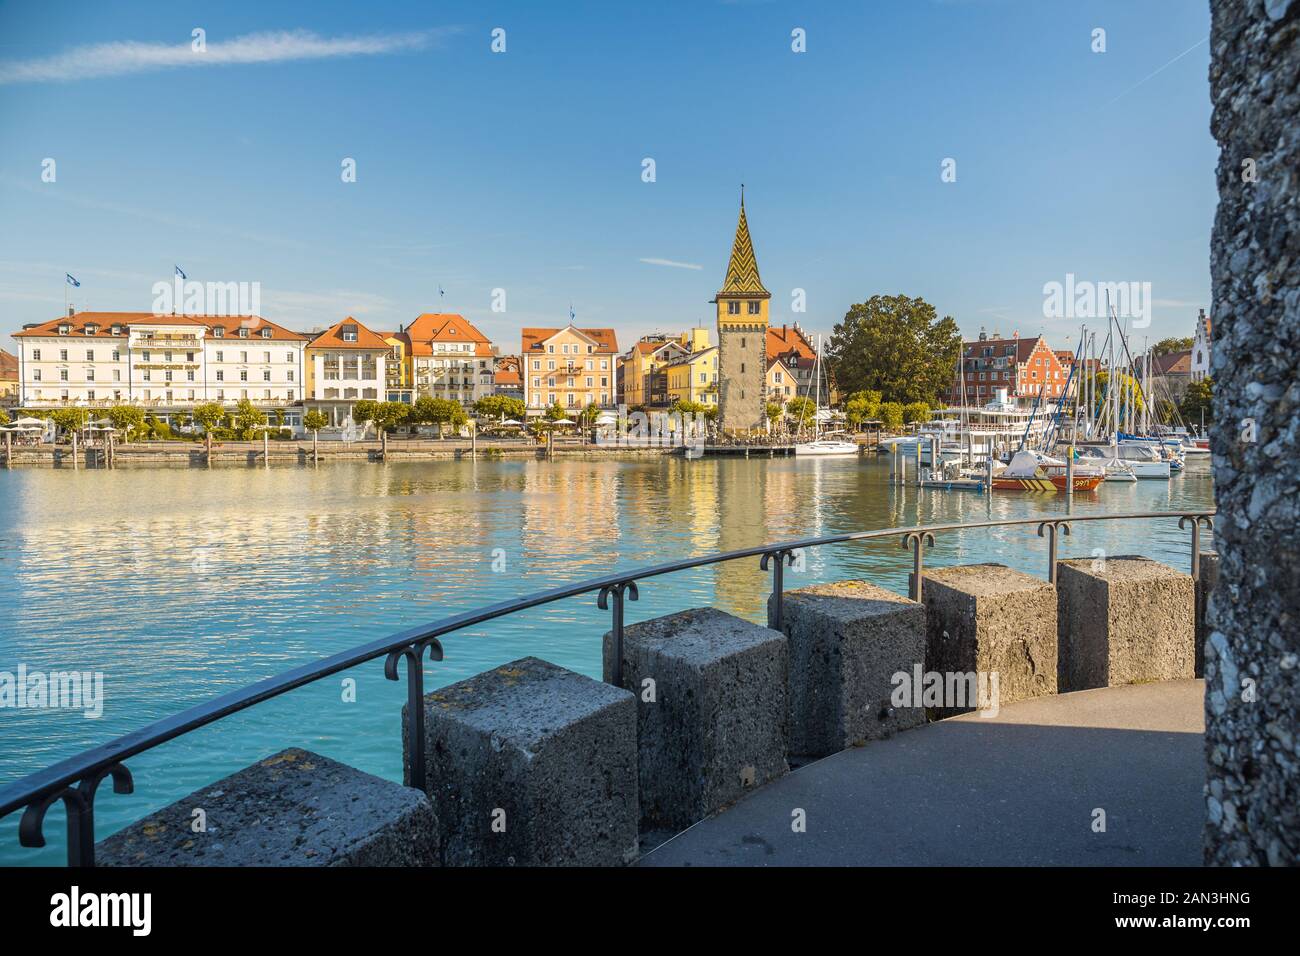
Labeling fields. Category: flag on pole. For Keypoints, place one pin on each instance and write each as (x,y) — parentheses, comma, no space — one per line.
(571,315)
(440,292)
(181,273)
(72,281)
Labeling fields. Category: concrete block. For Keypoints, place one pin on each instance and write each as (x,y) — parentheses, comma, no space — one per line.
(1123,620)
(713,723)
(1205,586)
(295,808)
(847,640)
(532,765)
(989,619)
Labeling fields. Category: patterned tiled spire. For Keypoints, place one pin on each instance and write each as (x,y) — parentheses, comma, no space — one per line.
(742,270)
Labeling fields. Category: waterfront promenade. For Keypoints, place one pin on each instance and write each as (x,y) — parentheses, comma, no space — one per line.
(1019,789)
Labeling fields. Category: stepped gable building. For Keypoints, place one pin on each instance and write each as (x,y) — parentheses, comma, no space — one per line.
(742,305)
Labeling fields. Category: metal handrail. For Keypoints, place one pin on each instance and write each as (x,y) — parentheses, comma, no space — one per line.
(75,779)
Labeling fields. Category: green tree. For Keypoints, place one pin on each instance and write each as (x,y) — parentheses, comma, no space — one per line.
(774,412)
(246,419)
(555,413)
(4,417)
(1198,398)
(916,412)
(126,418)
(315,420)
(891,413)
(896,345)
(498,407)
(862,407)
(801,411)
(684,407)
(1173,344)
(364,411)
(388,415)
(69,419)
(210,415)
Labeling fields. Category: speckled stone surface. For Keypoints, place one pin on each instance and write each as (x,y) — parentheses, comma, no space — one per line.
(1205,586)
(530,764)
(847,641)
(1252,658)
(717,724)
(991,619)
(294,808)
(1124,619)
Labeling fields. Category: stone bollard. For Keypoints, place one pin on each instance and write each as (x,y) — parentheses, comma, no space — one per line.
(295,808)
(711,712)
(1205,586)
(1123,620)
(847,641)
(532,765)
(995,623)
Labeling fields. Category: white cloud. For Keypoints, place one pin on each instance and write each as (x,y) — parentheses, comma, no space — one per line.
(670,262)
(117,59)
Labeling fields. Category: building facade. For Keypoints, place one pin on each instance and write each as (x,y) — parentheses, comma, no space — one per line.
(8,378)
(694,378)
(571,367)
(1026,368)
(450,358)
(790,345)
(346,363)
(508,381)
(742,315)
(1200,362)
(165,364)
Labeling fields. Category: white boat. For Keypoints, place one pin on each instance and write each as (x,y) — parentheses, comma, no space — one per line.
(1143,460)
(1097,456)
(826,446)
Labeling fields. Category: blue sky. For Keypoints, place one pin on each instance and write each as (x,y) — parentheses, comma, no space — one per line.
(523,170)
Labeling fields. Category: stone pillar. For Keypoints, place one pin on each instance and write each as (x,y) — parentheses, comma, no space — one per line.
(1205,586)
(996,623)
(532,765)
(1124,620)
(847,642)
(295,808)
(711,711)
(1251,671)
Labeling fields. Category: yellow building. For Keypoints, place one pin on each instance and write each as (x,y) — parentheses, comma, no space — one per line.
(398,369)
(782,385)
(569,367)
(742,310)
(694,378)
(643,369)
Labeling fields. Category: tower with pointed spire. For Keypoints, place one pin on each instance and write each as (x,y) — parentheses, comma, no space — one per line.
(742,305)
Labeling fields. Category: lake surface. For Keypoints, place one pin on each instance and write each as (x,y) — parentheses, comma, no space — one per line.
(182,584)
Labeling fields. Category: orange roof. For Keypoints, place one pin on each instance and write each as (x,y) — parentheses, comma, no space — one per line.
(786,339)
(1024,347)
(605,340)
(8,366)
(332,338)
(508,376)
(433,327)
(104,322)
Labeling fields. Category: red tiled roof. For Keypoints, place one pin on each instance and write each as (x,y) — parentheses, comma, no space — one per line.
(605,339)
(1173,363)
(332,338)
(8,367)
(781,341)
(104,321)
(443,327)
(1024,347)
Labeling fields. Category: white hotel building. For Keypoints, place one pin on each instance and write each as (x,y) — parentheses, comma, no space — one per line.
(162,363)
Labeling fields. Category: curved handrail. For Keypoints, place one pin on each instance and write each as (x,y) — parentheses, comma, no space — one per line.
(47,785)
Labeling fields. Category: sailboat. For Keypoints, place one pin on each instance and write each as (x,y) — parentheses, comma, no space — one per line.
(819,445)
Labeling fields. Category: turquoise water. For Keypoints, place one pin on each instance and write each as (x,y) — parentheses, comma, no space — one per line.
(182,584)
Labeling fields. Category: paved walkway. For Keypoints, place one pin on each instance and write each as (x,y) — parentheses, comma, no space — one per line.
(1018,789)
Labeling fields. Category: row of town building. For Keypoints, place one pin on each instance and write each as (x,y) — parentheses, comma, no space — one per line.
(167,364)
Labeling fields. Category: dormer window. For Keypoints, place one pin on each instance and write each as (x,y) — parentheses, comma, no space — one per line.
(91,329)
(349,333)
(64,329)
(218,332)
(243,332)
(266,333)
(117,330)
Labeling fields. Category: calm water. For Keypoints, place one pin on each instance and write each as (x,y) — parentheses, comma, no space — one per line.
(182,584)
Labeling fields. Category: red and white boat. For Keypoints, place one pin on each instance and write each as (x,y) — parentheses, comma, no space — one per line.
(1032,471)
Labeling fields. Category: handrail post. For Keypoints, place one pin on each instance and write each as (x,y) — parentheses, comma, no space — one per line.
(918,541)
(782,555)
(79,807)
(1052,528)
(1198,521)
(602,601)
(414,654)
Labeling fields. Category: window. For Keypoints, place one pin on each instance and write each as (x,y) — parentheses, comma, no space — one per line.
(36,375)
(189,356)
(243,375)
(733,308)
(349,333)
(189,376)
(243,334)
(36,355)
(267,358)
(90,395)
(117,355)
(90,355)
(63,355)
(219,357)
(266,375)
(754,308)
(167,356)
(291,375)
(537,365)
(243,358)
(117,375)
(90,375)
(266,334)
(63,375)
(221,376)
(144,356)
(218,332)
